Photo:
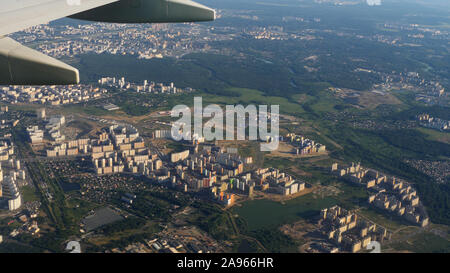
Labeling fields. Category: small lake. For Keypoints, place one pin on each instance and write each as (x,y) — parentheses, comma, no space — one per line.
(269,214)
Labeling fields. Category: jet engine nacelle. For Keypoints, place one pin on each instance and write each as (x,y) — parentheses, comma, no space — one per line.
(149,11)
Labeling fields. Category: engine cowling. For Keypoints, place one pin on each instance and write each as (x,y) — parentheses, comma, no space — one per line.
(149,11)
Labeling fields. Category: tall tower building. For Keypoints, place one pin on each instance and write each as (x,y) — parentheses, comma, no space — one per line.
(41,113)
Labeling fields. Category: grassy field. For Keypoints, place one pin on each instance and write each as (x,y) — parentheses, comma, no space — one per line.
(29,194)
(246,96)
(278,162)
(435,135)
(425,242)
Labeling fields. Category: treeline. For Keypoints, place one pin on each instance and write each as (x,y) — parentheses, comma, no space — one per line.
(415,142)
(172,197)
(214,220)
(436,111)
(274,240)
(151,208)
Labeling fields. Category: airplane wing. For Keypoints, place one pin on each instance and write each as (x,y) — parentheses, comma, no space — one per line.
(22,65)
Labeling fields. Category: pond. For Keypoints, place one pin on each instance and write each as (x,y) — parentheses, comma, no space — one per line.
(269,214)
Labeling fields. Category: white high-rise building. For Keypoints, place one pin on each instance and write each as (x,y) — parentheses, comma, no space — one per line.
(41,113)
(11,192)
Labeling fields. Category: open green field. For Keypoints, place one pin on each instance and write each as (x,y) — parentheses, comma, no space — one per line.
(424,242)
(247,96)
(29,194)
(278,162)
(435,135)
(235,96)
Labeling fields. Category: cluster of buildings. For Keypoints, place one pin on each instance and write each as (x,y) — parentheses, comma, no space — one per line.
(51,94)
(220,172)
(172,246)
(434,123)
(35,134)
(116,150)
(121,149)
(429,92)
(439,170)
(275,181)
(434,31)
(347,231)
(53,128)
(4,122)
(69,148)
(277,33)
(266,34)
(6,151)
(432,92)
(28,221)
(186,239)
(305,146)
(358,175)
(149,42)
(212,169)
(189,240)
(217,171)
(10,172)
(29,224)
(400,198)
(146,87)
(103,188)
(386,192)
(142,42)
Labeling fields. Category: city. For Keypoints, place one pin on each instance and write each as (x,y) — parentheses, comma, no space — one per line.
(363,155)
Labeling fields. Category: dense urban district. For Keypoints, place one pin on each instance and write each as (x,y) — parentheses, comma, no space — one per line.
(364,145)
